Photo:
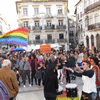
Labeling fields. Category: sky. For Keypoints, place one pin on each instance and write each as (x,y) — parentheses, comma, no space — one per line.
(9,13)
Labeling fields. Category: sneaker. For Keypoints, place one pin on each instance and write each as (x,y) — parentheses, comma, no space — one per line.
(39,86)
(24,86)
(30,85)
(61,83)
(35,83)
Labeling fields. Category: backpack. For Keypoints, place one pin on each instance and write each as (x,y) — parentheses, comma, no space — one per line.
(4,93)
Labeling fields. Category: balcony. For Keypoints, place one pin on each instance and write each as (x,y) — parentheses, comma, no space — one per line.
(61,27)
(61,40)
(71,35)
(37,41)
(30,42)
(94,26)
(93,6)
(50,41)
(37,28)
(48,27)
(71,41)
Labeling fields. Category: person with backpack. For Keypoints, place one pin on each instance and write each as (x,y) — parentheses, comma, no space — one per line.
(8,77)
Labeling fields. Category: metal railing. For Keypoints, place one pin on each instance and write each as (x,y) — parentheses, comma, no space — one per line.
(49,27)
(37,41)
(50,41)
(95,5)
(61,40)
(61,27)
(94,26)
(37,28)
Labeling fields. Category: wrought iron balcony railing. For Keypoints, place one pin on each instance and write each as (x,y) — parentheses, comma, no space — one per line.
(94,26)
(61,27)
(61,40)
(93,6)
(37,28)
(50,41)
(49,27)
(37,41)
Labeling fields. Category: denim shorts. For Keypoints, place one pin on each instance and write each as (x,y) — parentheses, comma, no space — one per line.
(93,95)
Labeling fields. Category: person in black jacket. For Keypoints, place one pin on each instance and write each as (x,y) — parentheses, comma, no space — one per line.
(50,83)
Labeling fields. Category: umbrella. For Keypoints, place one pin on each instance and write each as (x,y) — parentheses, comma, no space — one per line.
(18,49)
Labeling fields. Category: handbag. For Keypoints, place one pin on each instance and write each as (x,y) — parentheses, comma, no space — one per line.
(38,75)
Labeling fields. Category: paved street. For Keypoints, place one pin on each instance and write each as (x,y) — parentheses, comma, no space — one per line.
(35,93)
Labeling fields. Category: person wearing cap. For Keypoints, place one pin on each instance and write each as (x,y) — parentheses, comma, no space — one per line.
(8,77)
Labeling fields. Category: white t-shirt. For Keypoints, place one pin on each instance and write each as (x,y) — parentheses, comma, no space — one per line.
(89,84)
(80,58)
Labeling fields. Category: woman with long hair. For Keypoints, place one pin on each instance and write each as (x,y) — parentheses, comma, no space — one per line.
(52,59)
(94,66)
(41,67)
(89,91)
(80,57)
(72,59)
(50,83)
(33,64)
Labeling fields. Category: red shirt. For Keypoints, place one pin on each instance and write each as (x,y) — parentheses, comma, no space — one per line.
(35,63)
(96,69)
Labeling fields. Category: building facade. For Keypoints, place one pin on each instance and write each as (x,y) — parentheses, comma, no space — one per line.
(79,11)
(4,27)
(46,20)
(90,22)
(72,31)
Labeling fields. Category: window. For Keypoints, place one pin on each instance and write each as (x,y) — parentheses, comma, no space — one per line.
(25,23)
(25,12)
(48,23)
(80,14)
(86,21)
(96,18)
(91,20)
(61,36)
(36,23)
(37,37)
(36,11)
(85,4)
(59,11)
(71,33)
(77,16)
(60,22)
(49,36)
(48,11)
(71,40)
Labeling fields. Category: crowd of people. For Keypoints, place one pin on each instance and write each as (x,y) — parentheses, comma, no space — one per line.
(50,69)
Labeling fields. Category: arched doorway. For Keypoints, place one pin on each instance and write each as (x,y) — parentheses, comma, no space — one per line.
(87,41)
(92,40)
(98,41)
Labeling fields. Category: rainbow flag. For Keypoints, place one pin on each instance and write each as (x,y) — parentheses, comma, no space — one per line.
(18,36)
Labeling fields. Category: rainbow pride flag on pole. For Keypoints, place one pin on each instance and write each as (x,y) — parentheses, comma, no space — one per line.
(18,36)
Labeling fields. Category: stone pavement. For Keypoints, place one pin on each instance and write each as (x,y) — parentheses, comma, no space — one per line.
(36,93)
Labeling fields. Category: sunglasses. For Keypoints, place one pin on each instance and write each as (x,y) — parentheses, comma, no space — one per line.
(84,64)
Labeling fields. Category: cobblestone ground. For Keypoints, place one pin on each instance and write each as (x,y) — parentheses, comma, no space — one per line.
(36,93)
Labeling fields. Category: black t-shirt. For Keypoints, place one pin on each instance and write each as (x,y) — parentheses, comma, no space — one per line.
(60,61)
(42,69)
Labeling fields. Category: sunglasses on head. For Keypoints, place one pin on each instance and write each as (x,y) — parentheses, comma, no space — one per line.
(84,64)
